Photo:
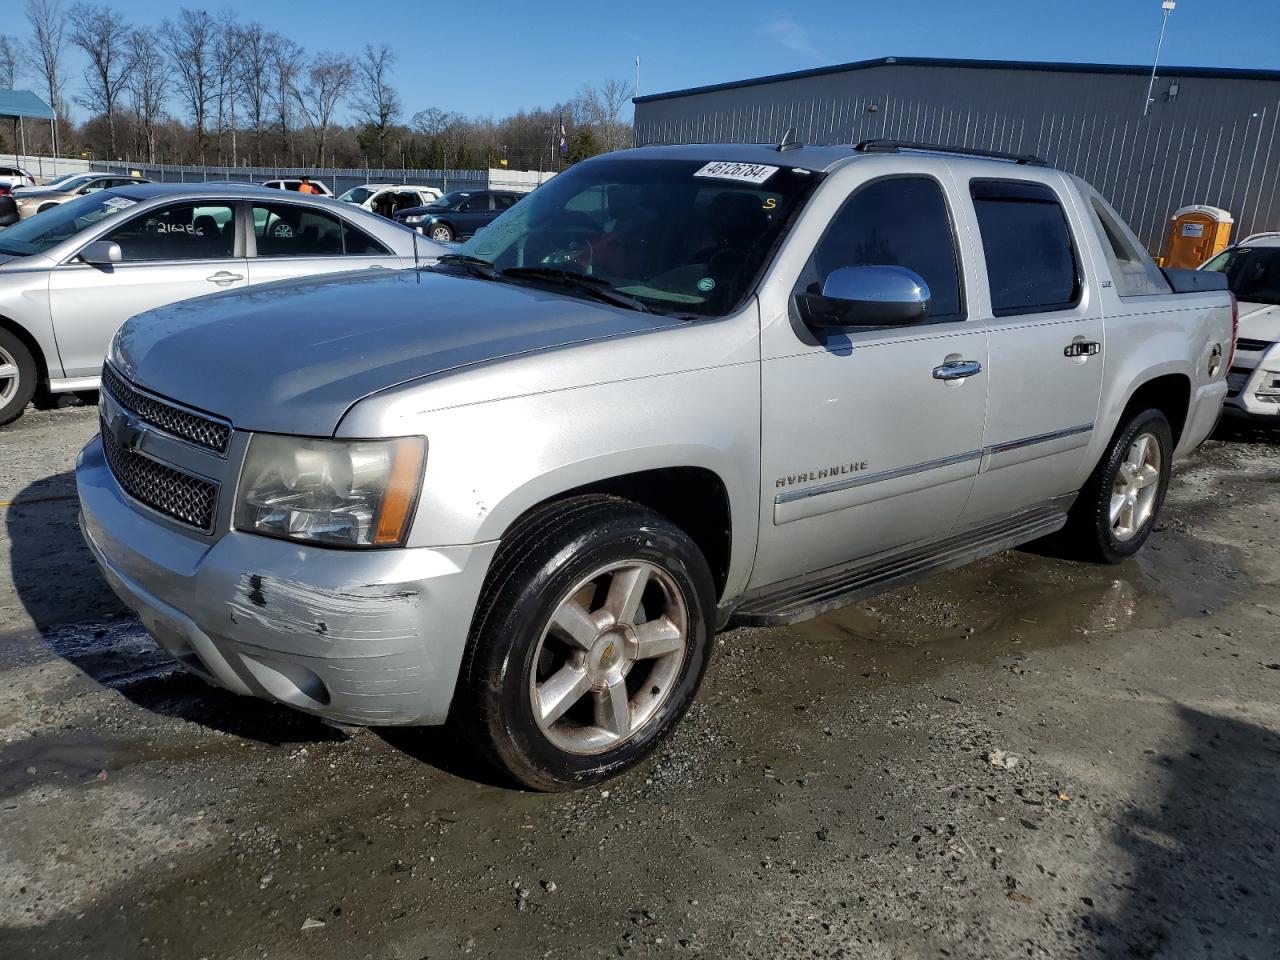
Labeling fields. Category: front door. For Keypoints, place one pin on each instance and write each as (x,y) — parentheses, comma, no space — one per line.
(474,213)
(1045,331)
(868,442)
(170,253)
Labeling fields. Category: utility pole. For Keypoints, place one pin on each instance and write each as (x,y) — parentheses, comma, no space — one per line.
(637,93)
(1167,8)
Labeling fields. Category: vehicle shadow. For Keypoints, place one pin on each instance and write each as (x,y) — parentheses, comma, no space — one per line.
(80,619)
(1203,855)
(1235,430)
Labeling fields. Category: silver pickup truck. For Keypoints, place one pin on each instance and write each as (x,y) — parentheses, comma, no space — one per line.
(674,389)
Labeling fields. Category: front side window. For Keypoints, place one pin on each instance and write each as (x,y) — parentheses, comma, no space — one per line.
(1031,263)
(1253,273)
(475,204)
(180,231)
(900,222)
(681,236)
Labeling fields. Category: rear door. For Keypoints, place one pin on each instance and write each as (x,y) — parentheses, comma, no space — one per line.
(169,253)
(296,240)
(1044,319)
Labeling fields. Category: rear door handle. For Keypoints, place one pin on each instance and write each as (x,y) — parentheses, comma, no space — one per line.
(957,370)
(223,277)
(1082,348)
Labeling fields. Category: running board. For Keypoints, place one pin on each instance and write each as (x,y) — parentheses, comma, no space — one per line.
(813,594)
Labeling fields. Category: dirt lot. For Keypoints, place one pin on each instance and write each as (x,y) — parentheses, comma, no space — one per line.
(831,795)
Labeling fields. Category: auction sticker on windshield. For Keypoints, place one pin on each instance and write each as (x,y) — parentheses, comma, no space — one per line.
(744,172)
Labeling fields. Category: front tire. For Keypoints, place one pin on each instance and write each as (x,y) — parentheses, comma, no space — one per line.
(17,377)
(589,642)
(1118,507)
(440,232)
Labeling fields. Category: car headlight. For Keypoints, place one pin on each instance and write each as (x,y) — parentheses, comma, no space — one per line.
(416,218)
(342,493)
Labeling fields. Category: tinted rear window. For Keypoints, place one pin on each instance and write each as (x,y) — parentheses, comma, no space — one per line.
(1031,264)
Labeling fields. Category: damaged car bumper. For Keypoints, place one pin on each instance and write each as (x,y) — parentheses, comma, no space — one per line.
(363,637)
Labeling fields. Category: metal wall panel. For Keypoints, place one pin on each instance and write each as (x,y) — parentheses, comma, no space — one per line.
(1209,140)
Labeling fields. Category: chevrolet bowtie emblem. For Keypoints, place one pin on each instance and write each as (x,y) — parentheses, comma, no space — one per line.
(127,429)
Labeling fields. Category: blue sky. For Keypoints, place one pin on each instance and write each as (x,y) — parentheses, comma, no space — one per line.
(496,58)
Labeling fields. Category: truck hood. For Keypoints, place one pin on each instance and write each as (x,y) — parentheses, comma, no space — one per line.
(292,357)
(1260,321)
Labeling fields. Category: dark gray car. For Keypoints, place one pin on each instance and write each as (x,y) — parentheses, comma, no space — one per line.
(458,214)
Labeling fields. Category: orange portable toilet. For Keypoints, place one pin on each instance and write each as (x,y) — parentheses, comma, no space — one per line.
(1197,233)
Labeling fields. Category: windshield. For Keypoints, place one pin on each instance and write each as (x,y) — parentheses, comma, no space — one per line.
(1253,273)
(69,182)
(450,200)
(357,195)
(680,236)
(40,233)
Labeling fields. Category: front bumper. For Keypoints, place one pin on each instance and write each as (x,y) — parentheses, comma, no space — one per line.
(370,637)
(1254,376)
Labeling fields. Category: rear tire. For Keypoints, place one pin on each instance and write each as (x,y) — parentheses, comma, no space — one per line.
(1119,505)
(589,642)
(17,377)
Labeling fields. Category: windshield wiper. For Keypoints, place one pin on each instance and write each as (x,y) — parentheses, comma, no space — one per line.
(593,286)
(475,266)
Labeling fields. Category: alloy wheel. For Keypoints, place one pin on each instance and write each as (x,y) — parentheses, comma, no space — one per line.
(1137,483)
(10,378)
(609,658)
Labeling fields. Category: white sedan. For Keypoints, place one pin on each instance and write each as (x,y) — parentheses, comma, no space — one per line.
(388,199)
(1253,273)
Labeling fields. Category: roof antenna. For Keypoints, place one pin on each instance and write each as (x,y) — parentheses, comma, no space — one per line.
(789,141)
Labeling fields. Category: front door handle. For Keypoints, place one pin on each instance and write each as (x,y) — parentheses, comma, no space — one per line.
(1082,348)
(957,370)
(223,277)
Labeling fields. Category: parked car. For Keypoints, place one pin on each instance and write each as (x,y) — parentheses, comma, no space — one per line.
(8,211)
(676,388)
(13,177)
(33,200)
(295,182)
(70,277)
(388,199)
(1252,269)
(459,213)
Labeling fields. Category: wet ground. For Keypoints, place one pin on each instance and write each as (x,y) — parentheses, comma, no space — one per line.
(1026,758)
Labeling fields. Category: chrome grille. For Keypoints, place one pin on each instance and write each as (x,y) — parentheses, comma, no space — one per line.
(192,427)
(172,492)
(1252,346)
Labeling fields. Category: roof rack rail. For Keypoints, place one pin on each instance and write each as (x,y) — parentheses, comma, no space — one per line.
(895,146)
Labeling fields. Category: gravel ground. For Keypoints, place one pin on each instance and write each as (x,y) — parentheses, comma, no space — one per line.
(1027,757)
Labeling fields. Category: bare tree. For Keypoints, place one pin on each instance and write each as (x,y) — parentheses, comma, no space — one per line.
(287,59)
(104,37)
(378,104)
(602,107)
(254,69)
(47,45)
(149,84)
(226,79)
(10,62)
(189,42)
(328,79)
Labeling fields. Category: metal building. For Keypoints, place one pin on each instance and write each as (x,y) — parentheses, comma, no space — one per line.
(1209,135)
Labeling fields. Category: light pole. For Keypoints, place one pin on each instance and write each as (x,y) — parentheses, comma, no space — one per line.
(1167,8)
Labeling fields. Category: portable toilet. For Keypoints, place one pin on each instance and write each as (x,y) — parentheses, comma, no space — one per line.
(1197,233)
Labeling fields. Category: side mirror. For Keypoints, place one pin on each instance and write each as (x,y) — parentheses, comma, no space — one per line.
(102,253)
(867,296)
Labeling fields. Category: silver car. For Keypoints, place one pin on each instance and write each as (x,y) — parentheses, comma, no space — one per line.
(70,277)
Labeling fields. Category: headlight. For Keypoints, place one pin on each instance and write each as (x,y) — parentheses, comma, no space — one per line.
(343,493)
(416,218)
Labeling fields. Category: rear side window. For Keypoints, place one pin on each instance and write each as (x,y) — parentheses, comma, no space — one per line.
(1031,262)
(900,222)
(1132,269)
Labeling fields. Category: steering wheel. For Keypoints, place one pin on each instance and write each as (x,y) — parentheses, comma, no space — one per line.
(569,244)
